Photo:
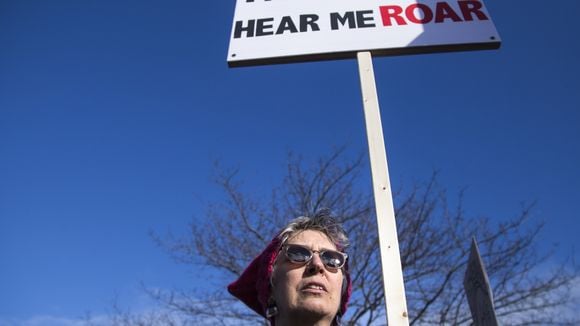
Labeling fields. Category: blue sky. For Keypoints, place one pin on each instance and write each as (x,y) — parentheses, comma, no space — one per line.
(113,112)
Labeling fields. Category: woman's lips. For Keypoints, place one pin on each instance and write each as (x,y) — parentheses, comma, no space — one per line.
(314,287)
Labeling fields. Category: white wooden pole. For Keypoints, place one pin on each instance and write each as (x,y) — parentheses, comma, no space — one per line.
(395,300)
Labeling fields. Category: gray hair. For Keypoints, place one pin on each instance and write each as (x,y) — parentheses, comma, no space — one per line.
(322,221)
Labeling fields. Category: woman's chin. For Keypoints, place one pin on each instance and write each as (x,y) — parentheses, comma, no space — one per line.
(315,306)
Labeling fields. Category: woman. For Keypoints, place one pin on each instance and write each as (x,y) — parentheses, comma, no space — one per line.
(302,277)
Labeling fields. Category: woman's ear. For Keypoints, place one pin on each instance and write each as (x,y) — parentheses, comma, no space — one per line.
(271,309)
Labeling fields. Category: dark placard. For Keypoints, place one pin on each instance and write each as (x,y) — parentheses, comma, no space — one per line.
(478,290)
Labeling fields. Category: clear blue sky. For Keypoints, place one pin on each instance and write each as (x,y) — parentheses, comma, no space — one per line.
(112,112)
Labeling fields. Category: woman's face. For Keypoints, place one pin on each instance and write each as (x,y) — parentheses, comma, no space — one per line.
(307,291)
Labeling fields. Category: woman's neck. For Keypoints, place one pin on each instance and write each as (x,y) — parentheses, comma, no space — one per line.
(301,321)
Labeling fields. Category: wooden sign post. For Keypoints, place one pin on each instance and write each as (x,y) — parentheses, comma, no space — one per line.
(387,228)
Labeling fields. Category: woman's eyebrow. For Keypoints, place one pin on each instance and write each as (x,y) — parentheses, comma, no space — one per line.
(310,248)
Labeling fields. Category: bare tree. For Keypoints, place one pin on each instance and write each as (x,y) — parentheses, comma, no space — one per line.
(434,241)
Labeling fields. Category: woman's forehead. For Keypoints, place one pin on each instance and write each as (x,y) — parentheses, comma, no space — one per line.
(311,238)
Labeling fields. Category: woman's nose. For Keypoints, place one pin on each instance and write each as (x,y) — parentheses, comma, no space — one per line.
(315,265)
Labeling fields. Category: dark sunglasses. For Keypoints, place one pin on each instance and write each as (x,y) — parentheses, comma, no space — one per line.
(301,255)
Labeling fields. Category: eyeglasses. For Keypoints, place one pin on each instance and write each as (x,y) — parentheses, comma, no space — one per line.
(302,255)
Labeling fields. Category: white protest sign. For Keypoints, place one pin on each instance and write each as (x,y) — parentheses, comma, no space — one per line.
(280,31)
(276,31)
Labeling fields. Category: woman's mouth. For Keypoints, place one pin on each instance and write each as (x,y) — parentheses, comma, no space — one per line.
(314,287)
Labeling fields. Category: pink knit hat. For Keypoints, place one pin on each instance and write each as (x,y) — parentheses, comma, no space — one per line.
(253,286)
